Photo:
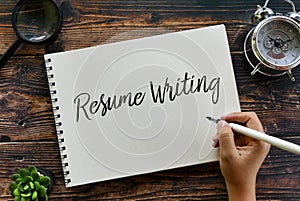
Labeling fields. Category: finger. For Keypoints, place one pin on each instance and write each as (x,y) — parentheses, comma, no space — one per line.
(249,119)
(215,141)
(226,139)
(239,117)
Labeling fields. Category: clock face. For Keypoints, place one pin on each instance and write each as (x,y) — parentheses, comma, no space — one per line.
(276,42)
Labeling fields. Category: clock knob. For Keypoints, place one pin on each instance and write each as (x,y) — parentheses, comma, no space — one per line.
(261,13)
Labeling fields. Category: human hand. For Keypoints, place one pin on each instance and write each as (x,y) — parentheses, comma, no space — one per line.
(240,156)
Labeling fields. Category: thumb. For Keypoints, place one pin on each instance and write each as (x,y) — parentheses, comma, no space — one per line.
(226,138)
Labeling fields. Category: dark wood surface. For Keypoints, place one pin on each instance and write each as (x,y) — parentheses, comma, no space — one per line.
(27,132)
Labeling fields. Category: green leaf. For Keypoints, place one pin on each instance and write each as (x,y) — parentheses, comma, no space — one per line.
(17,198)
(15,176)
(32,169)
(13,186)
(21,189)
(28,178)
(34,195)
(45,181)
(20,184)
(16,193)
(37,185)
(31,185)
(26,195)
(20,179)
(46,197)
(26,187)
(35,176)
(25,199)
(42,192)
(23,173)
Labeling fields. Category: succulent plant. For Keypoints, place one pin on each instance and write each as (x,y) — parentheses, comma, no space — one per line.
(29,185)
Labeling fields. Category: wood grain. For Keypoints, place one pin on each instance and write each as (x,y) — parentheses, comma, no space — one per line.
(27,132)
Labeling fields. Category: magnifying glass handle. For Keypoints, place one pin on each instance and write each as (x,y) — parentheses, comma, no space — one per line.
(10,52)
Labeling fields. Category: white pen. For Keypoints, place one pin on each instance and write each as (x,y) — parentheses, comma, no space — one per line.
(282,144)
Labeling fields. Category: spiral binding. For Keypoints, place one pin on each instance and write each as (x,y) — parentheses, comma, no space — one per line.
(58,123)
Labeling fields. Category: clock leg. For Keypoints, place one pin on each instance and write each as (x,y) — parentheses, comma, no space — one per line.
(257,67)
(289,72)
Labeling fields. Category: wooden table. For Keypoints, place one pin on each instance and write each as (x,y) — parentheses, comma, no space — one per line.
(27,131)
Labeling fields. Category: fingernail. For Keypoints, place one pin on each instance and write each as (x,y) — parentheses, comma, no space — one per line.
(214,144)
(215,141)
(220,125)
(215,138)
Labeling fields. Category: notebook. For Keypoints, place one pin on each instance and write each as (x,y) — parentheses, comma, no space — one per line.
(140,106)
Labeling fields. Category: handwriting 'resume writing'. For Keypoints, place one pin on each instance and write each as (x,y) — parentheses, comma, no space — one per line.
(159,94)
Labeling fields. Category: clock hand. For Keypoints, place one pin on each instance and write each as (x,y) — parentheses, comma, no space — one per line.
(285,44)
(289,40)
(272,39)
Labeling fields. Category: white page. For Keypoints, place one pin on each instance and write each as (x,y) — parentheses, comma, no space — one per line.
(144,134)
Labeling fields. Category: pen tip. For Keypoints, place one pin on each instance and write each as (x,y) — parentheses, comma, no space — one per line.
(212,119)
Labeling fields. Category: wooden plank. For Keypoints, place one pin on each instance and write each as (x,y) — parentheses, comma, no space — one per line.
(277,179)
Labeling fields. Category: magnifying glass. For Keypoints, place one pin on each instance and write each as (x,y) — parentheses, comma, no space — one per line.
(34,21)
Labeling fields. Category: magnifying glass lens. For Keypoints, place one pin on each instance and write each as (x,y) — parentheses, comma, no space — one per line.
(37,20)
(34,21)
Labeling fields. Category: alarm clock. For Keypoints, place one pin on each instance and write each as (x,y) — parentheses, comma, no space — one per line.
(272,46)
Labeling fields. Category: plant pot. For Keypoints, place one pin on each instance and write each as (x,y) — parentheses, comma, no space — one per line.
(45,172)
